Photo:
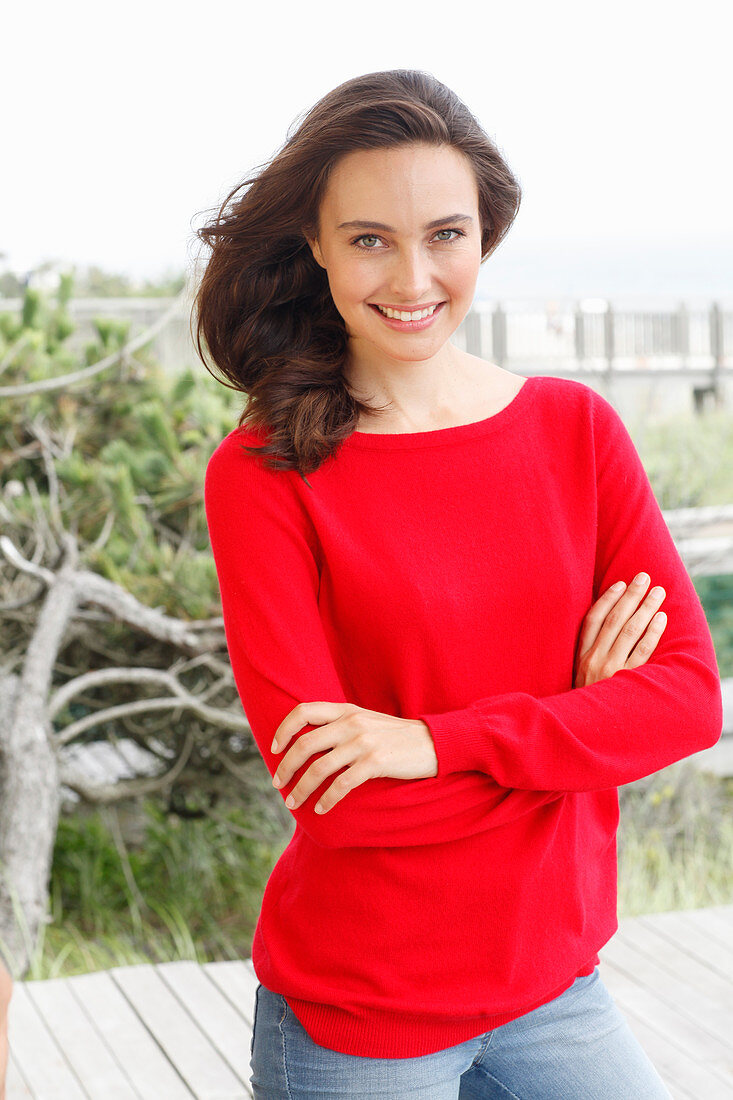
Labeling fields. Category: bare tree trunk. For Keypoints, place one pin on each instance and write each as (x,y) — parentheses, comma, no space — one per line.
(30,767)
(29,802)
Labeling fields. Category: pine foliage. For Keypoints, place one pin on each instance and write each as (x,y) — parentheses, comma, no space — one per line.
(129,449)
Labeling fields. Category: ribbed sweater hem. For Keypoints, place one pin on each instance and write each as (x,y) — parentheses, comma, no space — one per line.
(373,1033)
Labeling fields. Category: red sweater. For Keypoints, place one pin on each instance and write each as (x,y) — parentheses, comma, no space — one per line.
(445,575)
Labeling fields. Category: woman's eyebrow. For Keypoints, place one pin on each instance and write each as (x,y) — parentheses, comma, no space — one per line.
(390,229)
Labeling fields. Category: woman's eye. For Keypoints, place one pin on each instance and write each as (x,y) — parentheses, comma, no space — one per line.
(372,237)
(367,237)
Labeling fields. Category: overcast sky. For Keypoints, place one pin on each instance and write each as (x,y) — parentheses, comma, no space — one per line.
(123,122)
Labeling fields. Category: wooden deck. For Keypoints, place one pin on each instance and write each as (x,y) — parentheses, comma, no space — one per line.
(178,1031)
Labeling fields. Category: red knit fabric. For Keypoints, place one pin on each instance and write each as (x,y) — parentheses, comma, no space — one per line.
(445,575)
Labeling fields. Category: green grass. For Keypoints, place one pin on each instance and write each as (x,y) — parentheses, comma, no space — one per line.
(716,597)
(191,889)
(675,841)
(689,458)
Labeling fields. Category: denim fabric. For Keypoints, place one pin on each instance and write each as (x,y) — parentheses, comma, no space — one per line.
(576,1047)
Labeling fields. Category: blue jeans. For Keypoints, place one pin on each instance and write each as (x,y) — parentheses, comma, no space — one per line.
(576,1047)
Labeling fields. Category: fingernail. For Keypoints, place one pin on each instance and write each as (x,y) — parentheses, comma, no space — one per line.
(276,780)
(320,808)
(642,578)
(618,586)
(273,746)
(290,801)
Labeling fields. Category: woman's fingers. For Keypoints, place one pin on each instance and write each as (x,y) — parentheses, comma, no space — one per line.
(313,777)
(623,608)
(596,617)
(614,625)
(338,738)
(306,714)
(358,773)
(323,737)
(608,615)
(630,631)
(644,648)
(367,743)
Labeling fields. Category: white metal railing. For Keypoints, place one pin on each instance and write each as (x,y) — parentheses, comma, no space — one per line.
(601,337)
(588,337)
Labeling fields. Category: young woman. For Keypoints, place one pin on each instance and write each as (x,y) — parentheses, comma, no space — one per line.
(416,552)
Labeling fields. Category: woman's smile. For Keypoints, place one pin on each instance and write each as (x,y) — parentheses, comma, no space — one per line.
(408,320)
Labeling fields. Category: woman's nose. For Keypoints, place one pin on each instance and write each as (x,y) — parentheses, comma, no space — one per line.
(411,275)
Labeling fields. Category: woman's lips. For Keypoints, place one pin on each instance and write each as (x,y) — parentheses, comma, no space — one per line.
(408,326)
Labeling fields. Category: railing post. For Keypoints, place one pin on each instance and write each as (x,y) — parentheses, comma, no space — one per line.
(609,348)
(472,326)
(498,335)
(579,335)
(608,340)
(716,349)
(681,330)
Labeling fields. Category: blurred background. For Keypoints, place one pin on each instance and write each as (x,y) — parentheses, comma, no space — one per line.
(123,126)
(123,121)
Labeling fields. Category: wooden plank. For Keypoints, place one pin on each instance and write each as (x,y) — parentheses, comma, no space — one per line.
(716,922)
(147,1066)
(696,918)
(16,1088)
(200,1065)
(683,931)
(226,1028)
(676,962)
(39,1059)
(691,1003)
(661,1033)
(84,1048)
(238,983)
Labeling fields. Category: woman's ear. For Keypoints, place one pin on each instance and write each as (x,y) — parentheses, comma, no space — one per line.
(315,248)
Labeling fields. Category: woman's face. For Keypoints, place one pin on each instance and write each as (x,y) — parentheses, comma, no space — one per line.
(413,240)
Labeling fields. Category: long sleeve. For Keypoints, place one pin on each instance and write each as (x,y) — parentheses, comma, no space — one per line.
(266,557)
(631,724)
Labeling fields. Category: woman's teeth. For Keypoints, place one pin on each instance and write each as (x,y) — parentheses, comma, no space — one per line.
(403,315)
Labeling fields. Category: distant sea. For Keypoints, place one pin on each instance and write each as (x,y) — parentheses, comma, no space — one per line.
(661,274)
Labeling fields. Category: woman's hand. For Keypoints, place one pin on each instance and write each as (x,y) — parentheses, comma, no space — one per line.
(368,743)
(615,635)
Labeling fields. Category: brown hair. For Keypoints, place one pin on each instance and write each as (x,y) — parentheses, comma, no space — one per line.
(264,305)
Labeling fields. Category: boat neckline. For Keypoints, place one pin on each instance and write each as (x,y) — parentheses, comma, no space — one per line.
(454,433)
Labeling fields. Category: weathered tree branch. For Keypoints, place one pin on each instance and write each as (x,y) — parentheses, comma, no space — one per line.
(57,609)
(54,497)
(179,697)
(65,380)
(23,564)
(125,607)
(97,677)
(24,601)
(105,793)
(92,588)
(224,719)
